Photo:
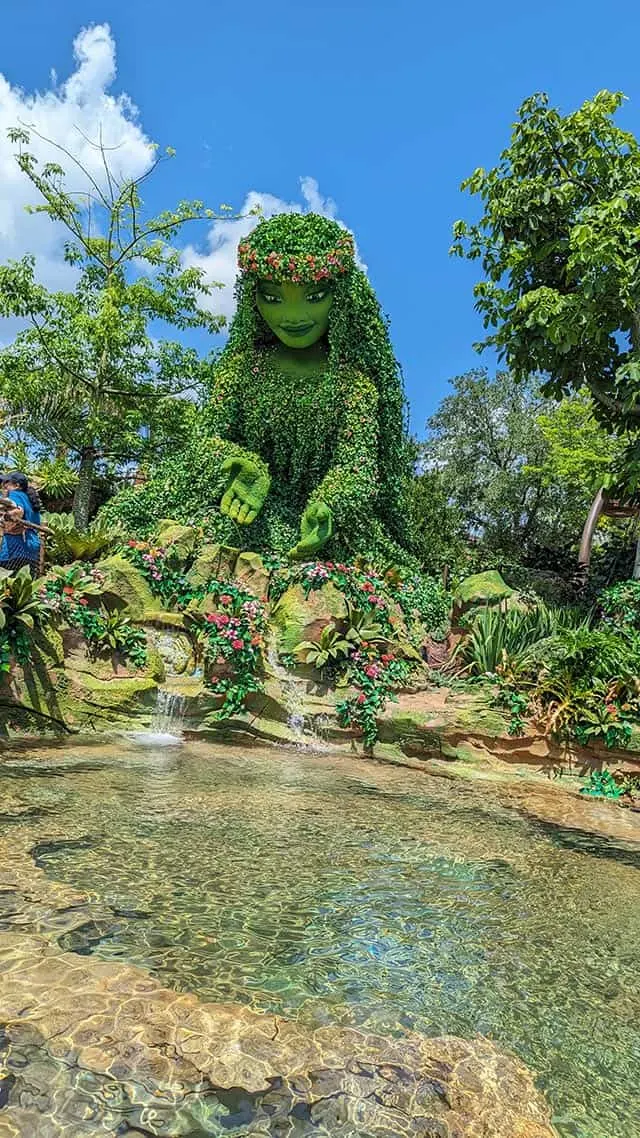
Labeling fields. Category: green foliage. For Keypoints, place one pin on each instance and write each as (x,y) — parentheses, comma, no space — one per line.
(111,632)
(603,784)
(229,639)
(86,373)
(70,593)
(578,682)
(500,636)
(620,606)
(332,646)
(557,243)
(517,470)
(305,458)
(67,543)
(21,611)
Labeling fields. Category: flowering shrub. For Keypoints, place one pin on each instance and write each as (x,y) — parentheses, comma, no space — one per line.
(229,639)
(374,676)
(66,593)
(422,600)
(162,570)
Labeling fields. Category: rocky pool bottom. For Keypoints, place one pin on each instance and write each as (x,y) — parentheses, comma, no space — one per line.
(206,941)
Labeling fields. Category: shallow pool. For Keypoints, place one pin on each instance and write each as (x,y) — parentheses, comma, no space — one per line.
(341,891)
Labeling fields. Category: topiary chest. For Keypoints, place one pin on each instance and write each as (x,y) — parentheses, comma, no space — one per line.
(293,423)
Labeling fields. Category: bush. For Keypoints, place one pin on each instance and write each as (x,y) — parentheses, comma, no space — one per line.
(619,606)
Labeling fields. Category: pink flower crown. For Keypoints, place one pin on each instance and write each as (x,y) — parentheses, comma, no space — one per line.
(299,267)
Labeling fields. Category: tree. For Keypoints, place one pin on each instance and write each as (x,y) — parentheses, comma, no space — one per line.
(90,372)
(520,469)
(559,243)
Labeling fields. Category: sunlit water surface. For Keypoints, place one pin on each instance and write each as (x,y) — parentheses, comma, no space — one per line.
(340,891)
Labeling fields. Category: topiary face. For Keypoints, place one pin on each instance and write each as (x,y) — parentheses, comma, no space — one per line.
(298,314)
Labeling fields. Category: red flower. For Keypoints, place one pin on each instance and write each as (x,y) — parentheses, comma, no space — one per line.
(222,618)
(367,587)
(362,698)
(68,590)
(211,618)
(237,645)
(83,601)
(225,599)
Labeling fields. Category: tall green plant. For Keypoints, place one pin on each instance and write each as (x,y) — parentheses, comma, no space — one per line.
(87,373)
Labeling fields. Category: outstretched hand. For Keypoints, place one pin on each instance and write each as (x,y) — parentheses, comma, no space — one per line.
(316,528)
(246,490)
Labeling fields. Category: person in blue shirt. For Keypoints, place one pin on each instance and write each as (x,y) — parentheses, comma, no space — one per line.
(20,546)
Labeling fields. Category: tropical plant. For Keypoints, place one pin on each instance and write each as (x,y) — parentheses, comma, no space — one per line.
(22,610)
(619,606)
(110,632)
(499,636)
(67,543)
(332,646)
(603,784)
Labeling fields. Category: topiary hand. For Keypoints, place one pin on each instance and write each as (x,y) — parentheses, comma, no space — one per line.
(246,490)
(316,528)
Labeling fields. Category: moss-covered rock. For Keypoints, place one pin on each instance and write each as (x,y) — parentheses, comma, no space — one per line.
(213,561)
(481,589)
(296,618)
(178,538)
(252,573)
(126,588)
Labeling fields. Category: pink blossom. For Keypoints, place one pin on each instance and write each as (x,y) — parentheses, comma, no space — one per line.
(362,697)
(372,671)
(225,599)
(237,645)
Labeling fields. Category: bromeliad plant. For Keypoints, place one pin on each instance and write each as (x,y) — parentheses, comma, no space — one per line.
(22,610)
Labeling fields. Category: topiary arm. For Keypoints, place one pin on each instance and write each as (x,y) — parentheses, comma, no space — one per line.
(345,497)
(247,478)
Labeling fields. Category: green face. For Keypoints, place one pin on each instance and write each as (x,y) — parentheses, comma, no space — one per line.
(298,314)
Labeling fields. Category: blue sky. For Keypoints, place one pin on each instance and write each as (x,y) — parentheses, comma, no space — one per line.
(386,105)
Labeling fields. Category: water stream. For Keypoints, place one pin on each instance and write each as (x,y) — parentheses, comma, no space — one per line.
(343,892)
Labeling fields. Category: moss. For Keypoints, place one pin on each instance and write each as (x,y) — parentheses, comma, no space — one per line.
(126,588)
(296,618)
(47,642)
(180,539)
(213,560)
(482,588)
(251,571)
(115,693)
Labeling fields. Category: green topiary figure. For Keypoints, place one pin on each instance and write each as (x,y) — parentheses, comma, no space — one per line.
(305,439)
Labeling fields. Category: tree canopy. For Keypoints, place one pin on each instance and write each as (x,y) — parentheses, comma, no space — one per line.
(559,245)
(519,469)
(91,373)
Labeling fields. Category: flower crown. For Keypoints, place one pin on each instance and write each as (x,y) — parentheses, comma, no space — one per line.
(298,267)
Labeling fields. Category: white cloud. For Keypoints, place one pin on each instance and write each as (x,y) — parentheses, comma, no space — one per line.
(219,259)
(76,114)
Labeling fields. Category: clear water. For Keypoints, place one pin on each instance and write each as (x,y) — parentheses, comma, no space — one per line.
(341,891)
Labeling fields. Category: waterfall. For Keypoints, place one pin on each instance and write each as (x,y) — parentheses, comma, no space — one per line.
(169,716)
(167,723)
(293,690)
